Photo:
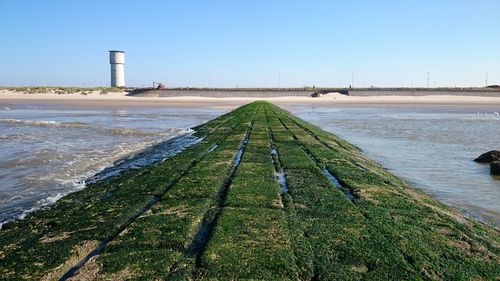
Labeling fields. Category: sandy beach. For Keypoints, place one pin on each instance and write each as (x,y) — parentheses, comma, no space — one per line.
(331,99)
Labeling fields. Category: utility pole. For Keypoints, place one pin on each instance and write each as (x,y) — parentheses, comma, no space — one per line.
(428,79)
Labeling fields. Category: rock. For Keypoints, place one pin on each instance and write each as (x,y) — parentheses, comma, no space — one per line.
(489,157)
(495,168)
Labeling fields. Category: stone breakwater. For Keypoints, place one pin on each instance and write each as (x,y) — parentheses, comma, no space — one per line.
(219,211)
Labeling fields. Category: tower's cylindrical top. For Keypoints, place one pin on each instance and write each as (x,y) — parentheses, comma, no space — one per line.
(116,57)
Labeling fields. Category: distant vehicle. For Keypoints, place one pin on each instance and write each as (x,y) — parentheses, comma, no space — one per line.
(158,85)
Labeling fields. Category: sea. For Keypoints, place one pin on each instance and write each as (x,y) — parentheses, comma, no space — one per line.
(50,150)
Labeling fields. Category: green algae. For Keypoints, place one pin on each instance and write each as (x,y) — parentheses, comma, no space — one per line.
(372,235)
(206,213)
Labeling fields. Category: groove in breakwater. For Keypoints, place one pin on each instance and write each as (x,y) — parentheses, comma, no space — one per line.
(212,148)
(98,250)
(338,185)
(296,232)
(72,271)
(351,195)
(206,229)
(237,159)
(333,180)
(102,245)
(279,173)
(281,178)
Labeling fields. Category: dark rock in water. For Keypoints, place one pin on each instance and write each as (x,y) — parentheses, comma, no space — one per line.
(489,157)
(495,168)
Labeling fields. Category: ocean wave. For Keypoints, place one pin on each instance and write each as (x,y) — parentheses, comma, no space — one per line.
(181,131)
(44,123)
(43,203)
(105,130)
(125,132)
(19,137)
(38,205)
(158,152)
(103,168)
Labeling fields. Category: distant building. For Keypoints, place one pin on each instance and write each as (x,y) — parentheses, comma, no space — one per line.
(117,61)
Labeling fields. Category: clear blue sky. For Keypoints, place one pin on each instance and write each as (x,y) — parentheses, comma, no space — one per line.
(247,43)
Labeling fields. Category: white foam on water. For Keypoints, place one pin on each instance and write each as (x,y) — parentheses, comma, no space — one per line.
(39,205)
(104,165)
(158,152)
(114,131)
(44,123)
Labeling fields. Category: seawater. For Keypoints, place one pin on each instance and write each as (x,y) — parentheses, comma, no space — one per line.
(48,151)
(431,147)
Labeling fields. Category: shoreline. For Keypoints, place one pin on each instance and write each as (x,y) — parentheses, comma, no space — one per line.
(331,99)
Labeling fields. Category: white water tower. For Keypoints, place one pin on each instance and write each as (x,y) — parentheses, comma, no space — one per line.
(117,61)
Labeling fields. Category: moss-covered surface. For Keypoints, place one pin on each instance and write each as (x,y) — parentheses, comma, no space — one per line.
(215,211)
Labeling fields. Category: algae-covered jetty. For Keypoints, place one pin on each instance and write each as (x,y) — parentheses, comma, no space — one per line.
(263,195)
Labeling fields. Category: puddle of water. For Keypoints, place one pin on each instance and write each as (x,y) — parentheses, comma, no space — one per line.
(212,148)
(334,180)
(337,184)
(279,174)
(237,159)
(281,178)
